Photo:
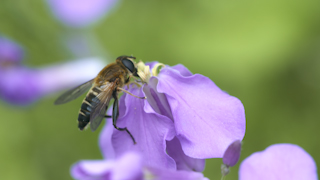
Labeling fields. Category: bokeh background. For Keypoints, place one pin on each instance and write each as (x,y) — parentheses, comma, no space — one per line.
(266,53)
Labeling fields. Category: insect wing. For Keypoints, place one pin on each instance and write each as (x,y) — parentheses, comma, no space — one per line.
(98,112)
(74,93)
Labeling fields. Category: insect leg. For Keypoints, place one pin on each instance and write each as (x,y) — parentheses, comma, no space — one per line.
(127,80)
(135,78)
(120,89)
(136,82)
(115,114)
(107,116)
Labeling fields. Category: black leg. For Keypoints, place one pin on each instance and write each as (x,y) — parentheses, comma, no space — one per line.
(127,80)
(115,114)
(107,116)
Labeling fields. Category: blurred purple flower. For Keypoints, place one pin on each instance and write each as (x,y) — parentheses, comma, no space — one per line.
(10,52)
(185,119)
(128,166)
(21,85)
(80,13)
(279,161)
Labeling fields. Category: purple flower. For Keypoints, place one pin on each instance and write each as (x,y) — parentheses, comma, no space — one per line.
(128,166)
(279,161)
(232,154)
(80,13)
(231,157)
(10,53)
(185,119)
(21,85)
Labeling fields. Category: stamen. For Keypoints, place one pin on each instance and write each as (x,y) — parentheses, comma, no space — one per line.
(147,174)
(143,72)
(156,69)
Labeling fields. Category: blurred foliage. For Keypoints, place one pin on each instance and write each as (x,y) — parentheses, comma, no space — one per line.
(266,53)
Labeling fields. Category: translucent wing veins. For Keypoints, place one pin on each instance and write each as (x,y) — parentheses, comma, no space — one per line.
(74,93)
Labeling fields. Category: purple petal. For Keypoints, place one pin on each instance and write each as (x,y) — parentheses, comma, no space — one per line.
(232,154)
(129,166)
(80,12)
(182,69)
(91,169)
(279,161)
(149,129)
(206,119)
(165,174)
(157,101)
(10,52)
(183,162)
(105,139)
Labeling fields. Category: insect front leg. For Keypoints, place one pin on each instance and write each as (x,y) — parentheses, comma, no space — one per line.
(127,82)
(121,89)
(115,115)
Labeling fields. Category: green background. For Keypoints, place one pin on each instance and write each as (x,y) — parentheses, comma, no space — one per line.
(265,53)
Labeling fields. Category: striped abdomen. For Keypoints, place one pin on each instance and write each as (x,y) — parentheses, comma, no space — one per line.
(90,101)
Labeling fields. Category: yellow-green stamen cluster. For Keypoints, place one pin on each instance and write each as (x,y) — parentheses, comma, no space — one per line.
(147,175)
(144,71)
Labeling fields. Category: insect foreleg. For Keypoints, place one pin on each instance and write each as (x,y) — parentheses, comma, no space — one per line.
(127,82)
(120,89)
(115,114)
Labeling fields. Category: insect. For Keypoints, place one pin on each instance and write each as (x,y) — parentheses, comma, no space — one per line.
(102,89)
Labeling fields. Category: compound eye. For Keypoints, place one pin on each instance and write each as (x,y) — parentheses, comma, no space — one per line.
(129,65)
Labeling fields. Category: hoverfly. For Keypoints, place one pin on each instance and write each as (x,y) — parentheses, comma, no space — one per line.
(103,88)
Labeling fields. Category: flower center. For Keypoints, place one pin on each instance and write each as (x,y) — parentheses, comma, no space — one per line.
(144,71)
(147,175)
